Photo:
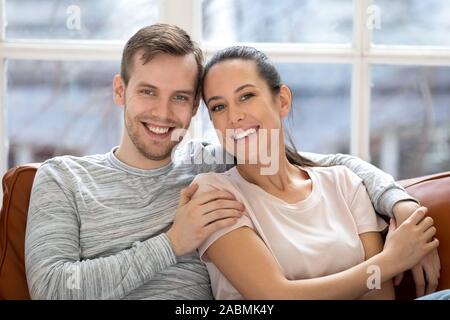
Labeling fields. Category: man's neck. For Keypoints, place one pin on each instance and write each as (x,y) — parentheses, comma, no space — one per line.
(135,159)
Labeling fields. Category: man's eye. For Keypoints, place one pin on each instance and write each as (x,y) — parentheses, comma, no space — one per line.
(246,96)
(181,98)
(217,107)
(147,92)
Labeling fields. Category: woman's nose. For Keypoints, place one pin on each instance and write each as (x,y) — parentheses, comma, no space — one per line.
(235,114)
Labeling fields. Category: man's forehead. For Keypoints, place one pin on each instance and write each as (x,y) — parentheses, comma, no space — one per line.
(166,71)
(141,58)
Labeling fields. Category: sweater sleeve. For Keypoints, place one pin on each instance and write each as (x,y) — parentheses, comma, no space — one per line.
(381,187)
(54,267)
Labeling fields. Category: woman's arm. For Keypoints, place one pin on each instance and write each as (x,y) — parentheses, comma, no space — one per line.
(251,268)
(373,244)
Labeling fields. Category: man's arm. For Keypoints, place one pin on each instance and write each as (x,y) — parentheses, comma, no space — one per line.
(381,187)
(53,261)
(53,254)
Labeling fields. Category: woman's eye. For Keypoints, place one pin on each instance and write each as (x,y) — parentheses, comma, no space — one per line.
(246,96)
(217,107)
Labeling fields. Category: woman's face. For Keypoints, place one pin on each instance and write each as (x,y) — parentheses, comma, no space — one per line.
(245,113)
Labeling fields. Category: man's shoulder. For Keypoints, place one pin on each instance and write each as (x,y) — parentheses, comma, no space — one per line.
(204,154)
(67,167)
(67,161)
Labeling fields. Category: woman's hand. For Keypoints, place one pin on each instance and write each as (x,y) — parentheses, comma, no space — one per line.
(427,272)
(411,241)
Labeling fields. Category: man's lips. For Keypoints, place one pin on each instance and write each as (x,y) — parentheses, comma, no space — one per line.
(157,130)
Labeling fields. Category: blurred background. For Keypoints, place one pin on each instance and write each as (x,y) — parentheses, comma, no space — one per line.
(55,106)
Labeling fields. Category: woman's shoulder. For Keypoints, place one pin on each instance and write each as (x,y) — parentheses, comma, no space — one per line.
(214,178)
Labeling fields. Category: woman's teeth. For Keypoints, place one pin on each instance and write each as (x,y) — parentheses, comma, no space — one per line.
(243,134)
(157,130)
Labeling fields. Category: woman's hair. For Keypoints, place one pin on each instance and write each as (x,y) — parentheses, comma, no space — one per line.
(269,73)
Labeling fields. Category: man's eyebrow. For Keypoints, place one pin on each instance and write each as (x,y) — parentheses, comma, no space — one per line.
(187,92)
(235,91)
(145,84)
(148,85)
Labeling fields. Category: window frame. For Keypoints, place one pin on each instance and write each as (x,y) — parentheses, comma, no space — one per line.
(361,54)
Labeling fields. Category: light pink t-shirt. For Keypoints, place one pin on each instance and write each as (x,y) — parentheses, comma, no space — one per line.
(314,237)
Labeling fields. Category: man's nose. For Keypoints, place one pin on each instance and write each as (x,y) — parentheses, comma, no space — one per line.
(162,109)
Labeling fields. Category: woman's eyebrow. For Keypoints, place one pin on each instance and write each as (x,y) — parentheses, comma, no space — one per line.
(235,91)
(244,86)
(213,98)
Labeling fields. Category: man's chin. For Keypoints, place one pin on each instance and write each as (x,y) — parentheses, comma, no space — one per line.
(158,152)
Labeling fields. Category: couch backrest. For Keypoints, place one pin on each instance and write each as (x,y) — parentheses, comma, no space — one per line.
(17,184)
(433,192)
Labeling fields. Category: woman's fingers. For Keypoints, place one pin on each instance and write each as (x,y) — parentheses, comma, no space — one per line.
(426,223)
(429,234)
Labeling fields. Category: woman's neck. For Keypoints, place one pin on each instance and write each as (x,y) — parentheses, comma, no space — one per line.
(286,183)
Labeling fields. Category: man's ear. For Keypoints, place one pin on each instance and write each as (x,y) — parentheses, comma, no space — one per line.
(285,100)
(119,90)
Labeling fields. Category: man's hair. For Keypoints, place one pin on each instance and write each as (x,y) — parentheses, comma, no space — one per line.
(160,39)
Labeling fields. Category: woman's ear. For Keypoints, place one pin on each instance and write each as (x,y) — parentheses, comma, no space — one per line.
(119,90)
(285,100)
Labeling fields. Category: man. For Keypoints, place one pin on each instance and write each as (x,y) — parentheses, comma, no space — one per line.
(100,226)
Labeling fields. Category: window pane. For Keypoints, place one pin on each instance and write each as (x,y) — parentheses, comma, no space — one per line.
(309,21)
(413,22)
(410,120)
(320,118)
(56,108)
(78,19)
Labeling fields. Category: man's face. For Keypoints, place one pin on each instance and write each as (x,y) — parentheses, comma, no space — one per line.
(159,98)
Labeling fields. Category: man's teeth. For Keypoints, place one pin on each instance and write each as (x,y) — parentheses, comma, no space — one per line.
(157,130)
(244,134)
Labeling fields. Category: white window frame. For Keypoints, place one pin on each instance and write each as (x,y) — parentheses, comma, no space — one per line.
(360,54)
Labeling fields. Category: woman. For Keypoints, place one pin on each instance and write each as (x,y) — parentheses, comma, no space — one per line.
(308,232)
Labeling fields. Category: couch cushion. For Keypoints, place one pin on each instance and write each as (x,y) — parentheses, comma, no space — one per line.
(17,185)
(433,192)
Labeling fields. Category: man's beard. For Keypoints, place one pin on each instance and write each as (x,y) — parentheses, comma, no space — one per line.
(150,149)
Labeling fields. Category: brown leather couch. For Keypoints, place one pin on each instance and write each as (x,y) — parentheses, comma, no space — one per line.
(433,192)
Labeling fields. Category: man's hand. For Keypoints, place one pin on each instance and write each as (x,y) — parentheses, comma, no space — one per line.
(195,220)
(427,272)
